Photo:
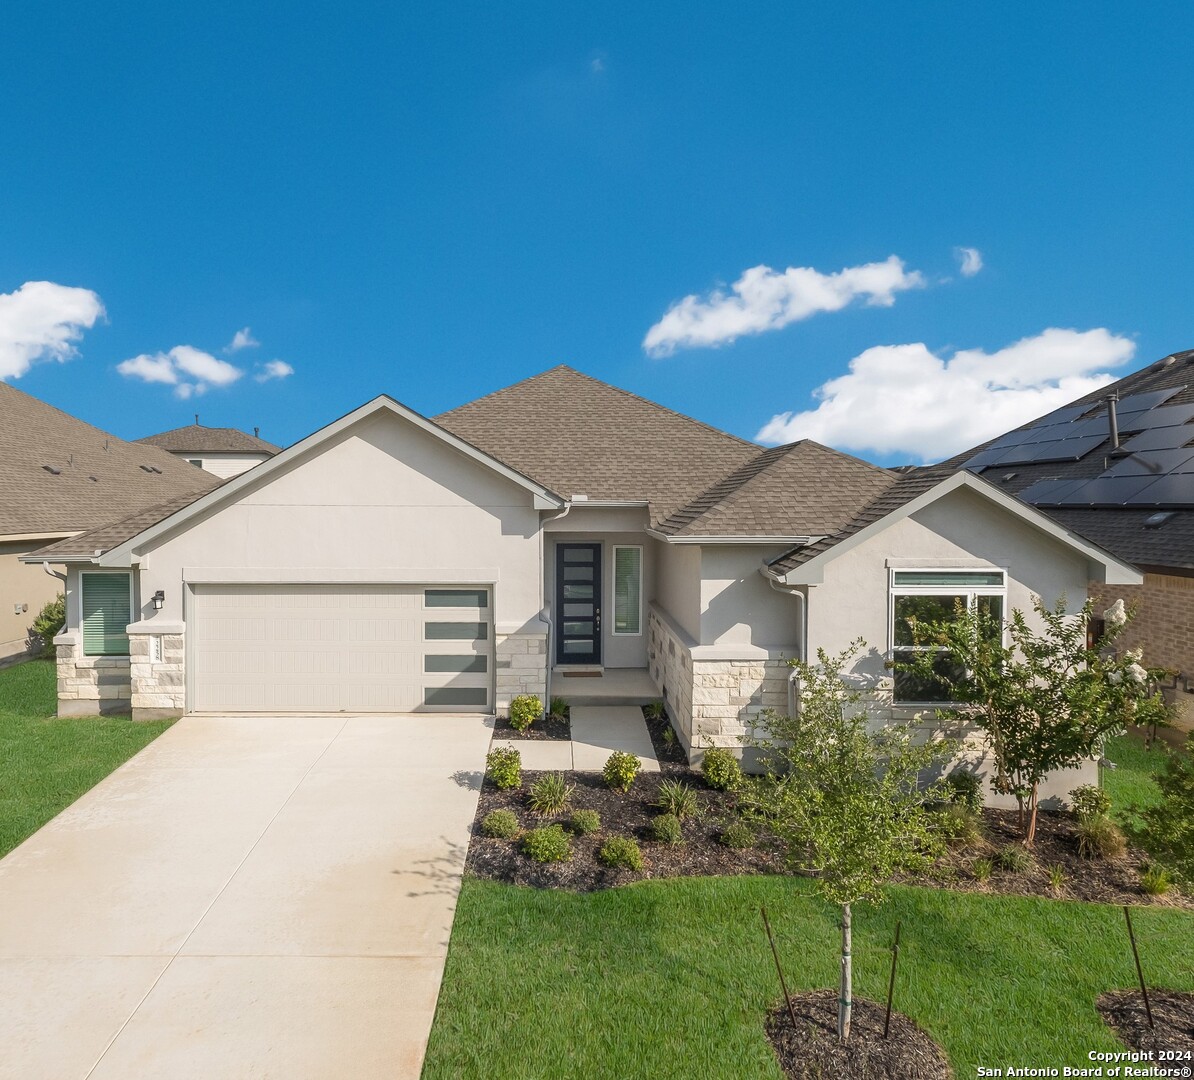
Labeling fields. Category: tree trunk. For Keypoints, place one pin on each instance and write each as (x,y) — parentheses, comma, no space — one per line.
(1031,836)
(845,996)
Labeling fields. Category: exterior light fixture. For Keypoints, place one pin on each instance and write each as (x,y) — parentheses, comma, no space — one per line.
(159,600)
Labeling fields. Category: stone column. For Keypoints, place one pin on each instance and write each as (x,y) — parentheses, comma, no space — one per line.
(89,685)
(521,662)
(158,670)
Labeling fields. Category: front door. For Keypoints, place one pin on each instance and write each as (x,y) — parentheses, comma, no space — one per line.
(578,603)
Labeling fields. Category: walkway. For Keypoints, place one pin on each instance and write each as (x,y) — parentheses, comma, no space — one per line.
(597,731)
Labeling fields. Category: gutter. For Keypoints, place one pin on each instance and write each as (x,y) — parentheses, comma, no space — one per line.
(545,611)
(745,539)
(787,590)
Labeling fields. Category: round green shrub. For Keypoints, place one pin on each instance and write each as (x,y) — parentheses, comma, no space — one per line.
(720,769)
(1099,838)
(737,835)
(49,623)
(584,822)
(500,824)
(504,767)
(965,789)
(1089,801)
(621,851)
(549,794)
(524,711)
(666,829)
(620,770)
(548,844)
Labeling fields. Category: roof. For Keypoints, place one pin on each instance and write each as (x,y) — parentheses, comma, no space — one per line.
(59,474)
(196,439)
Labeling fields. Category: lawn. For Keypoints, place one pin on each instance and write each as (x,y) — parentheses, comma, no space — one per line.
(1131,784)
(46,763)
(672,978)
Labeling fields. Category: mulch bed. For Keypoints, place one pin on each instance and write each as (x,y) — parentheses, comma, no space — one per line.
(668,752)
(1173,1015)
(623,815)
(812,1051)
(546,727)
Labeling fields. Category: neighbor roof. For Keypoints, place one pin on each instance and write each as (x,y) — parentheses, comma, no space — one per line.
(196,439)
(59,474)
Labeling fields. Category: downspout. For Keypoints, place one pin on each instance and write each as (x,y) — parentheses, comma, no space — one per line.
(53,573)
(791,591)
(545,611)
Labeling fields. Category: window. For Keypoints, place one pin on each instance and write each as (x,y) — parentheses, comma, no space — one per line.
(107,604)
(461,598)
(196,462)
(472,662)
(455,695)
(628,590)
(937,596)
(456,631)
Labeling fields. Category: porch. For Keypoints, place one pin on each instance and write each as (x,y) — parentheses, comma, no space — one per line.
(608,686)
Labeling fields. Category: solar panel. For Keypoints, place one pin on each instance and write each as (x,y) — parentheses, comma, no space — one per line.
(1161,438)
(1051,492)
(1140,402)
(1108,491)
(1062,416)
(1168,491)
(1156,464)
(1066,449)
(982,459)
(1170,416)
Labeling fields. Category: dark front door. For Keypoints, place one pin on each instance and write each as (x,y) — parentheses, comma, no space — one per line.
(578,603)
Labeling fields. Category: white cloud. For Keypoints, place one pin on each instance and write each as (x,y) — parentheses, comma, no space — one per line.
(905,399)
(242,339)
(970,260)
(187,369)
(765,299)
(275,369)
(597,65)
(41,321)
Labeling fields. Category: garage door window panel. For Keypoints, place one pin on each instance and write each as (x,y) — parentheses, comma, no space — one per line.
(456,631)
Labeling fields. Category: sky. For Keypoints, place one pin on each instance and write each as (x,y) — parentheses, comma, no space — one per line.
(896,228)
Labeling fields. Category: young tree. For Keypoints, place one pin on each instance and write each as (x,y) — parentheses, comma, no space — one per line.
(846,803)
(1045,700)
(1169,826)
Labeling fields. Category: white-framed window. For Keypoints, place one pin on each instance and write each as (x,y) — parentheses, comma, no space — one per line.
(107,609)
(936,596)
(197,462)
(628,590)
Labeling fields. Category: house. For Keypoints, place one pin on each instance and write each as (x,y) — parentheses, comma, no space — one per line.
(558,527)
(1130,489)
(223,451)
(60,477)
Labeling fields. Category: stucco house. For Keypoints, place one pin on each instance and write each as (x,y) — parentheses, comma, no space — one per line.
(561,526)
(222,451)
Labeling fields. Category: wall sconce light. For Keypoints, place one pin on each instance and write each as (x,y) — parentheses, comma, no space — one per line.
(159,600)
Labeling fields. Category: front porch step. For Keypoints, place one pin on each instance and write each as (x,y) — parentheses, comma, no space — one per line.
(614,686)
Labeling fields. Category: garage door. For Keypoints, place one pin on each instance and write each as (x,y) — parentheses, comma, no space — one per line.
(331,648)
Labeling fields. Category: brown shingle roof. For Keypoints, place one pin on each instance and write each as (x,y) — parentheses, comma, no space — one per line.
(115,533)
(195,439)
(99,477)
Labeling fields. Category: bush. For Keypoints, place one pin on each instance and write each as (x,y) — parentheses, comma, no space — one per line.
(669,736)
(620,770)
(1155,880)
(1169,826)
(737,835)
(720,769)
(1099,838)
(584,822)
(667,829)
(1057,877)
(1013,858)
(549,794)
(654,711)
(559,707)
(500,824)
(959,825)
(981,869)
(1089,801)
(504,767)
(548,844)
(524,711)
(621,851)
(49,623)
(965,789)
(676,797)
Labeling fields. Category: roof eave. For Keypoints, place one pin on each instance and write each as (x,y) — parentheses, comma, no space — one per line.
(672,538)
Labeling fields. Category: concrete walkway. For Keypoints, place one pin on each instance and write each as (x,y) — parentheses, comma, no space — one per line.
(597,731)
(265,897)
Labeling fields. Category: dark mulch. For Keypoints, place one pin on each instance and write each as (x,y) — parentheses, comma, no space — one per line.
(1173,1015)
(550,726)
(622,815)
(669,751)
(812,1051)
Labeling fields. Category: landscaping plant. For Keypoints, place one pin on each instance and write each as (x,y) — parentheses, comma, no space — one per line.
(737,835)
(720,769)
(654,711)
(964,788)
(500,824)
(524,711)
(621,851)
(1169,825)
(1100,838)
(981,869)
(620,770)
(1088,801)
(549,794)
(547,844)
(1056,877)
(1013,858)
(504,767)
(959,825)
(846,803)
(1155,880)
(667,829)
(49,623)
(559,706)
(676,797)
(584,822)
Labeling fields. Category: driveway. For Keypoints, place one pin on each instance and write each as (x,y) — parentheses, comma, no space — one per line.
(247,897)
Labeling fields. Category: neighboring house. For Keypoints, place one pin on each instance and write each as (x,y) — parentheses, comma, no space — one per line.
(60,477)
(391,563)
(1132,494)
(223,451)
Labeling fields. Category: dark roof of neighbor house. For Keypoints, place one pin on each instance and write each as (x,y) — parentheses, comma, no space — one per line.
(58,473)
(196,439)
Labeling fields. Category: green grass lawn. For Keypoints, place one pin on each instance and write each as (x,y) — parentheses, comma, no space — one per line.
(672,978)
(1132,786)
(46,763)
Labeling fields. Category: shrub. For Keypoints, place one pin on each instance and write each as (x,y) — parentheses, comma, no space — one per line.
(669,736)
(1099,838)
(1089,801)
(584,822)
(667,829)
(1057,877)
(737,835)
(1013,858)
(524,711)
(620,770)
(1169,826)
(48,624)
(549,794)
(720,769)
(959,825)
(547,844)
(965,789)
(654,711)
(504,767)
(676,797)
(981,869)
(559,706)
(1155,880)
(500,824)
(621,851)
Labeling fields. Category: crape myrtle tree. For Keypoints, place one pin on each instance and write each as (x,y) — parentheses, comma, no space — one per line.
(1045,699)
(846,803)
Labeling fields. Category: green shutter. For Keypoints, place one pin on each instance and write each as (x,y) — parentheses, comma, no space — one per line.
(106,614)
(628,590)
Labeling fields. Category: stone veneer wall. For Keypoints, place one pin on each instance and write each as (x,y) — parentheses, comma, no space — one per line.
(158,686)
(521,662)
(669,662)
(90,685)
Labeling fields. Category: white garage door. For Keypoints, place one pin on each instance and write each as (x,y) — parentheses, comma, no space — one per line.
(331,648)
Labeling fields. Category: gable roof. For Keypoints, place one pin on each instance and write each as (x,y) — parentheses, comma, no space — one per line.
(196,439)
(97,476)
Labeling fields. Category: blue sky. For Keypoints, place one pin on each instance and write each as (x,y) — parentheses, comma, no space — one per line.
(435,203)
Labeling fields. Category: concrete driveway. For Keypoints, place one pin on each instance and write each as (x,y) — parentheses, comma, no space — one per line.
(247,897)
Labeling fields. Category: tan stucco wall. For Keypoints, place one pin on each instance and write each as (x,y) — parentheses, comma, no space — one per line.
(738,606)
(27,586)
(678,584)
